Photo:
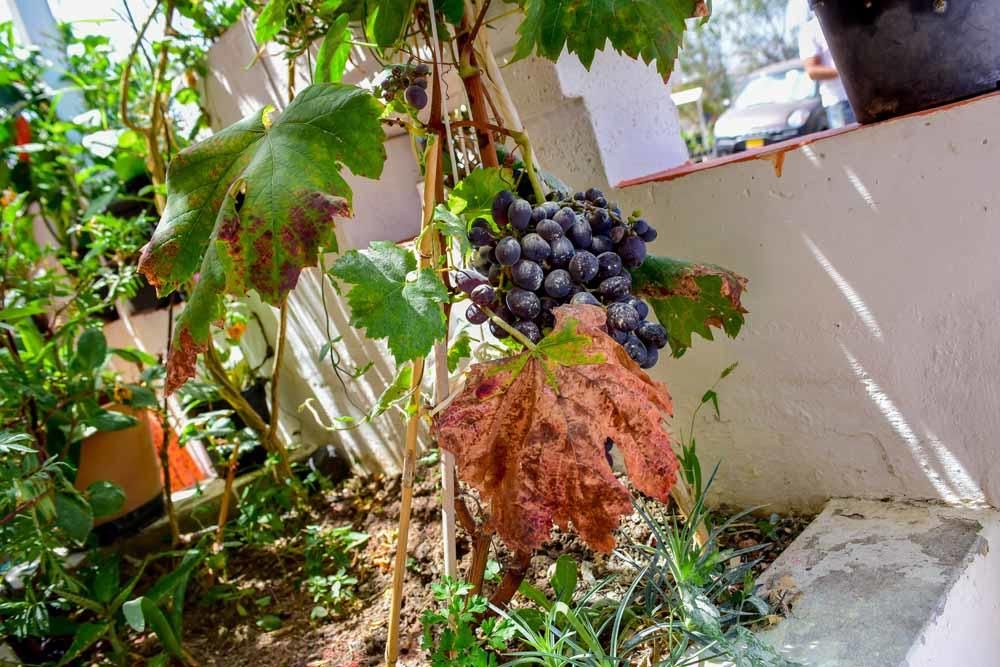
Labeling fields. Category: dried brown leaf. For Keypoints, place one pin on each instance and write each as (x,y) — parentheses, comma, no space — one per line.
(529,433)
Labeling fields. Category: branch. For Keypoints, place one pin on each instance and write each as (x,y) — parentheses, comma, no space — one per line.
(123,85)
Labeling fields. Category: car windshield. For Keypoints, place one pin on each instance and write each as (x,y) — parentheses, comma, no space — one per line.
(776,87)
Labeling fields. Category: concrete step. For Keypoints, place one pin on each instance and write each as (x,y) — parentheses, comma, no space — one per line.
(890,584)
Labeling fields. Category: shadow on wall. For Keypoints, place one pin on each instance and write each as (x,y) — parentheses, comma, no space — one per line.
(869,362)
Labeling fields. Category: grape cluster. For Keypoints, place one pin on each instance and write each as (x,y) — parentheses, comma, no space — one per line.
(574,251)
(410,80)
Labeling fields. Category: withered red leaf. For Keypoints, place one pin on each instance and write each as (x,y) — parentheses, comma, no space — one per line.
(529,434)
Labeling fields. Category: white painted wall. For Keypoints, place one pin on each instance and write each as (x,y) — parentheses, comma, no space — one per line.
(871,357)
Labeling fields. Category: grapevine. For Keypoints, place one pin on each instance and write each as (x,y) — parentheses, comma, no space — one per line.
(531,260)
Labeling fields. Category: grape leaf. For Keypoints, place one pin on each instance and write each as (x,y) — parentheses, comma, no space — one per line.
(690,298)
(650,30)
(473,196)
(270,20)
(388,304)
(387,20)
(251,206)
(528,432)
(334,51)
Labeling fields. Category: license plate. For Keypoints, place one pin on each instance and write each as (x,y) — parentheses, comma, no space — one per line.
(755,143)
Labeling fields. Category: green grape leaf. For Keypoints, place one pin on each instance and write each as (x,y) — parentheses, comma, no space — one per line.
(461,348)
(387,20)
(271,20)
(452,227)
(453,10)
(334,51)
(650,30)
(251,206)
(390,299)
(690,298)
(473,196)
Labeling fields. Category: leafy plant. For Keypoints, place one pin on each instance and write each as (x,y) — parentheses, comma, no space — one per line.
(450,632)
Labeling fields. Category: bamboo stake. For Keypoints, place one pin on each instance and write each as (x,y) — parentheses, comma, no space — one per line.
(441,389)
(432,160)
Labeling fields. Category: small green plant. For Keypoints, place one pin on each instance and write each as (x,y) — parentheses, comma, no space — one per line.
(450,635)
(690,465)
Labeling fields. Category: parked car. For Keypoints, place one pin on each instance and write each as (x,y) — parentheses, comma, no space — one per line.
(777,102)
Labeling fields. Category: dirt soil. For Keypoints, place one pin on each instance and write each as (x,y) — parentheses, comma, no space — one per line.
(226,632)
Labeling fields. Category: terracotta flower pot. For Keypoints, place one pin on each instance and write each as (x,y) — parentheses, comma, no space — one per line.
(127,458)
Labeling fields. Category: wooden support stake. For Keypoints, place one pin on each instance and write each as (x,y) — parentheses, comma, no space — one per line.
(432,160)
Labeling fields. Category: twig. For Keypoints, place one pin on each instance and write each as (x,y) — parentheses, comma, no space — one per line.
(123,85)
(168,498)
(272,430)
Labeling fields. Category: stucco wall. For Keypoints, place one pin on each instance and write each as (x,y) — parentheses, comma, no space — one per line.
(870,361)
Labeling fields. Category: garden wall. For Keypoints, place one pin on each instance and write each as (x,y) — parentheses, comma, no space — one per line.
(868,363)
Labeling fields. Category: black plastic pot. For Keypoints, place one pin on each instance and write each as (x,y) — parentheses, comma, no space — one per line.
(901,56)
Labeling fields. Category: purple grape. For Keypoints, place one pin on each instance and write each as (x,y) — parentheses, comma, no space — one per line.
(579,234)
(565,217)
(601,201)
(485,253)
(475,314)
(562,252)
(619,336)
(501,204)
(508,251)
(635,349)
(530,330)
(480,237)
(421,69)
(519,214)
(632,251)
(494,274)
(593,194)
(654,335)
(535,248)
(600,244)
(583,267)
(584,298)
(467,280)
(618,233)
(549,230)
(600,221)
(609,264)
(652,356)
(545,319)
(483,295)
(537,214)
(649,236)
(579,196)
(558,283)
(640,227)
(416,96)
(622,316)
(420,82)
(640,306)
(523,303)
(615,288)
(528,275)
(550,208)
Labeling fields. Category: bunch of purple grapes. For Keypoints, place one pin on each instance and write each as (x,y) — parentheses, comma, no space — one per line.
(411,80)
(574,251)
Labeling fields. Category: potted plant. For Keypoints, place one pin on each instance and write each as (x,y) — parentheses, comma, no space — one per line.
(901,56)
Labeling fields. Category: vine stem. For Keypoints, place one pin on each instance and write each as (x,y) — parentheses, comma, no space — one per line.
(272,430)
(432,160)
(168,499)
